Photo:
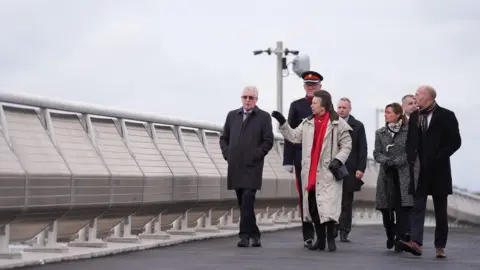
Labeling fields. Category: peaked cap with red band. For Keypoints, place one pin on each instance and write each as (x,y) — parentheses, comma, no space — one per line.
(311,77)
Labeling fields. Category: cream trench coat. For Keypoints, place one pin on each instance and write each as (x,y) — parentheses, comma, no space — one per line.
(328,190)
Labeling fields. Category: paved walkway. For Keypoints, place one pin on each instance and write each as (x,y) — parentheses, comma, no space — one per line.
(283,250)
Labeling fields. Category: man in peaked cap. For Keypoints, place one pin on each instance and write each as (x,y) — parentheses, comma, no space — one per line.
(292,153)
(312,77)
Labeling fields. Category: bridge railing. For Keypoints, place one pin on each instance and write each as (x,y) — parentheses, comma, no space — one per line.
(80,173)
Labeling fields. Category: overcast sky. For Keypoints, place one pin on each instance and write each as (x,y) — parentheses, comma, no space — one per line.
(191,59)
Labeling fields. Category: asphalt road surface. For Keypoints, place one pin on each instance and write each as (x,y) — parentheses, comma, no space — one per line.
(284,250)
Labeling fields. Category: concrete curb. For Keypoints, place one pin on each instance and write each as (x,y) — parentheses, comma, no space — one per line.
(78,253)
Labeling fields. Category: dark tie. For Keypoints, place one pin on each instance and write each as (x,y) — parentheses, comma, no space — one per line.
(245,115)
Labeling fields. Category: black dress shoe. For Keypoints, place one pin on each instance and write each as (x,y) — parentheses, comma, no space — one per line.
(398,248)
(243,243)
(256,242)
(344,237)
(390,243)
(308,243)
(318,245)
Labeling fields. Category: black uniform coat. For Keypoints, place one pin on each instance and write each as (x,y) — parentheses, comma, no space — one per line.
(299,110)
(244,146)
(357,161)
(441,140)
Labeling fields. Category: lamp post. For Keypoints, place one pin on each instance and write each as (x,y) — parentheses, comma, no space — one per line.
(378,111)
(281,65)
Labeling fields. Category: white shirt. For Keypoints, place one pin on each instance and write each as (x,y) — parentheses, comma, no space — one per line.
(245,114)
(429,118)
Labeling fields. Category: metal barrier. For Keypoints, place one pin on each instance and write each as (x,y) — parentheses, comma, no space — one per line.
(89,175)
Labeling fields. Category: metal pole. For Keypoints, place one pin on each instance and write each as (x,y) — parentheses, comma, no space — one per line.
(377,120)
(279,53)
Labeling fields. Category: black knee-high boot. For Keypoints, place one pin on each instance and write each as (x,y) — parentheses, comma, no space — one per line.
(331,236)
(320,232)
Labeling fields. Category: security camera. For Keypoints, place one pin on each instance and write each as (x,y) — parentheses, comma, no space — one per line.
(257,52)
(287,51)
(301,64)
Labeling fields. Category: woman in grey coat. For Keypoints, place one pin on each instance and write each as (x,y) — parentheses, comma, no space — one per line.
(392,194)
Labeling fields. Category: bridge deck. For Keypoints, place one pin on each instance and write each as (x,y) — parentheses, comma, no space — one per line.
(283,250)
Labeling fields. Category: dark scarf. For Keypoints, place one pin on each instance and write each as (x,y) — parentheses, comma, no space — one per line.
(423,114)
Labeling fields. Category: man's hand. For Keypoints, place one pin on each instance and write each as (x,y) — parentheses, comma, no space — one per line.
(288,168)
(279,116)
(358,175)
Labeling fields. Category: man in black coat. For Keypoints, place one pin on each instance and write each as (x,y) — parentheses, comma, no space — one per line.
(409,105)
(246,139)
(433,136)
(356,165)
(292,153)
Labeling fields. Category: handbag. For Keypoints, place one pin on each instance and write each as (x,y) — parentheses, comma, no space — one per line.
(342,171)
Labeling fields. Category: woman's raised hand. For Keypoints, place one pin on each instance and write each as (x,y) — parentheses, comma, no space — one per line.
(279,116)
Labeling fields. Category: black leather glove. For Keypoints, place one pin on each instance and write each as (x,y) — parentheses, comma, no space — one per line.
(389,163)
(334,165)
(279,116)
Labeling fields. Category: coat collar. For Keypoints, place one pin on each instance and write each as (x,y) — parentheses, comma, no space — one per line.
(351,121)
(334,117)
(254,110)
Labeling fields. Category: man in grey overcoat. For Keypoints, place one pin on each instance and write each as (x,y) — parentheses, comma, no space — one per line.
(246,139)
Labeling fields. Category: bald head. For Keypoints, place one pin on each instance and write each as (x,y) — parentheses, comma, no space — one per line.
(425,96)
(430,91)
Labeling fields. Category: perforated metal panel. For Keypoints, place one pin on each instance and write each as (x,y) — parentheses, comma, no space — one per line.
(222,165)
(208,175)
(12,178)
(49,179)
(185,176)
(158,183)
(91,185)
(127,179)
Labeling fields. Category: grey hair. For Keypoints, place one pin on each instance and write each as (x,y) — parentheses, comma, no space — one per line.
(407,96)
(347,100)
(252,88)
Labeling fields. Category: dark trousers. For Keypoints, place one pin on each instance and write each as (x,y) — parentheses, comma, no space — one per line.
(418,219)
(345,221)
(396,220)
(312,207)
(320,228)
(307,227)
(248,222)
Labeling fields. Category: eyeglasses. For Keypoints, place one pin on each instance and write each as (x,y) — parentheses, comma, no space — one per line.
(248,97)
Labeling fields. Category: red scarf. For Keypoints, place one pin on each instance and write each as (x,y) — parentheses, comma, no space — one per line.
(309,99)
(320,123)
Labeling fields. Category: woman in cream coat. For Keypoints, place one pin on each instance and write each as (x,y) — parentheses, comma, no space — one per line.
(322,192)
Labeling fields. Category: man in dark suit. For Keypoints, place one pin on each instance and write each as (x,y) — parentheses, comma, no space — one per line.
(409,104)
(433,136)
(292,154)
(356,165)
(246,139)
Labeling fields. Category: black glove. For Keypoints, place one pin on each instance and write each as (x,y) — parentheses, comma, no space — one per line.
(389,163)
(279,116)
(334,165)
